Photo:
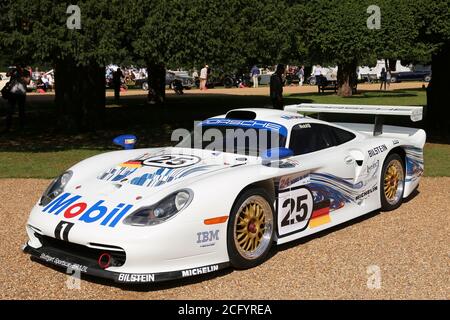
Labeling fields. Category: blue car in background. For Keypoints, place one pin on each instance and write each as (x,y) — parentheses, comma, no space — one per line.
(418,74)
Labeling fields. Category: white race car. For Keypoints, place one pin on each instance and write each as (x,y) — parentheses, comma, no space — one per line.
(268,176)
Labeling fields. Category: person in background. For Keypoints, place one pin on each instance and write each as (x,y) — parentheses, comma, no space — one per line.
(276,87)
(383,77)
(388,78)
(255,74)
(50,81)
(117,82)
(195,74)
(318,74)
(301,75)
(20,78)
(203,77)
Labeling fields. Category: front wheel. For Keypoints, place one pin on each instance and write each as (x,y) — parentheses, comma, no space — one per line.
(250,229)
(392,183)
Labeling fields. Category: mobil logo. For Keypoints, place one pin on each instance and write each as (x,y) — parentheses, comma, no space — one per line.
(72,208)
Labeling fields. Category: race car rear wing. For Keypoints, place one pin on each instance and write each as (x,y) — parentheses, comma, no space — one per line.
(415,113)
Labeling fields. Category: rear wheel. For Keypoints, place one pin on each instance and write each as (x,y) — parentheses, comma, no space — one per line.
(144,86)
(392,182)
(250,229)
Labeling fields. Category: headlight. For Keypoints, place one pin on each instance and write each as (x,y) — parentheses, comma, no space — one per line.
(55,188)
(161,211)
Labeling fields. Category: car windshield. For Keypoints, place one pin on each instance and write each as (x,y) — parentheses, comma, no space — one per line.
(233,139)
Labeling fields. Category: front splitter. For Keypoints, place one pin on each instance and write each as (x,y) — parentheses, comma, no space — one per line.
(64,260)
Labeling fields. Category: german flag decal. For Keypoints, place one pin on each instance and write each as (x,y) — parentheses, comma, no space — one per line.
(320,214)
(131,164)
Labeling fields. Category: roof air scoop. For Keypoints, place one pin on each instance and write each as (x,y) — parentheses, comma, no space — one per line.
(241,115)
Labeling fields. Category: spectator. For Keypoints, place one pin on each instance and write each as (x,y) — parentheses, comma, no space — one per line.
(20,78)
(195,74)
(318,74)
(45,81)
(301,75)
(203,77)
(276,87)
(383,78)
(50,81)
(388,78)
(255,74)
(117,82)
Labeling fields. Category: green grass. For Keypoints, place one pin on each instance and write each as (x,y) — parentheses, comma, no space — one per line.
(40,164)
(398,97)
(50,164)
(437,160)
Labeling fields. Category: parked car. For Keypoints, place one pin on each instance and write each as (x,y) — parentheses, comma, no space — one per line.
(422,74)
(171,76)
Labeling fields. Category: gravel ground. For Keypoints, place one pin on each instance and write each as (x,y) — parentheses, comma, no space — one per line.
(410,246)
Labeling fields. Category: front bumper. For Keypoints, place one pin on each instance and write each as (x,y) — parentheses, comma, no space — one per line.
(84,265)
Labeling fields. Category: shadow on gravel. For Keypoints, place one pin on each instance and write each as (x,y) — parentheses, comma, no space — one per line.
(320,234)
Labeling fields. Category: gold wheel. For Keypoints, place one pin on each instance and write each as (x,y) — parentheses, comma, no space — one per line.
(393,182)
(253,227)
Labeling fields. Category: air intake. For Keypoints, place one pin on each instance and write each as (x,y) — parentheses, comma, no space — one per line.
(241,115)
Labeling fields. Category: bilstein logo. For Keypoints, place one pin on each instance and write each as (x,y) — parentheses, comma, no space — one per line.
(377,150)
(73,208)
(134,277)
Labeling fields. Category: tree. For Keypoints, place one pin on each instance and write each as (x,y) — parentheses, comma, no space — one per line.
(337,33)
(34,32)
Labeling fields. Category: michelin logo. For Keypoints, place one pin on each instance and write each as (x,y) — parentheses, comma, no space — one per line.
(197,271)
(366,193)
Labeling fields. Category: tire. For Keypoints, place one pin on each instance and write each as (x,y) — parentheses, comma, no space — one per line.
(144,86)
(427,79)
(392,182)
(393,79)
(228,82)
(258,231)
(312,82)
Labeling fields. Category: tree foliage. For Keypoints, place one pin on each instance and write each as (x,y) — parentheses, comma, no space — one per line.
(229,34)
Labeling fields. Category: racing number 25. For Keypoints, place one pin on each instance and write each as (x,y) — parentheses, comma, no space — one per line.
(171,161)
(294,210)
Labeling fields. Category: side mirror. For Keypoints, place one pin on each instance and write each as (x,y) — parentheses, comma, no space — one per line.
(126,141)
(276,154)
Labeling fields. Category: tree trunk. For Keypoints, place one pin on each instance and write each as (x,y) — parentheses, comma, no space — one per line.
(156,83)
(437,111)
(79,96)
(346,78)
(392,65)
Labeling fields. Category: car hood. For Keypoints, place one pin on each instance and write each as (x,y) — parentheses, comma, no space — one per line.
(165,167)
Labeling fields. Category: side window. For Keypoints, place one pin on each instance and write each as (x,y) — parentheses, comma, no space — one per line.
(310,137)
(341,136)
